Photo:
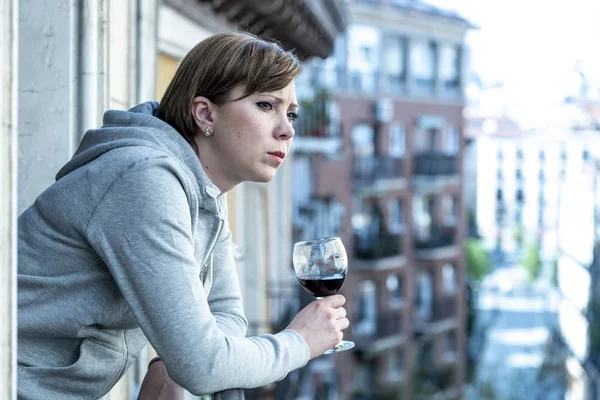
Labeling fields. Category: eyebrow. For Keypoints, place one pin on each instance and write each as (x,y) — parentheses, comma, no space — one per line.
(280,100)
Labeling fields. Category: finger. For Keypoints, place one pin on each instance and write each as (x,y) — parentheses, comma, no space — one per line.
(335,301)
(342,323)
(339,312)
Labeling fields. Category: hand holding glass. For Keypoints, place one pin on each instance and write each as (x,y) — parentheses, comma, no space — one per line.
(321,266)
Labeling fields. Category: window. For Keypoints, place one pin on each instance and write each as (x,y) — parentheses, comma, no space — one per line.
(364,51)
(394,285)
(519,174)
(452,141)
(450,346)
(424,301)
(449,65)
(449,279)
(421,218)
(500,215)
(499,195)
(449,209)
(585,155)
(519,196)
(395,364)
(393,58)
(397,145)
(396,220)
(425,353)
(364,377)
(363,140)
(365,309)
(423,62)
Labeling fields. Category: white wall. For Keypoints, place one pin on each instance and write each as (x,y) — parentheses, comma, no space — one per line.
(62,89)
(8,197)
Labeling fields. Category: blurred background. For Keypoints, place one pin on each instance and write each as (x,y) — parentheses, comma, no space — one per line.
(453,145)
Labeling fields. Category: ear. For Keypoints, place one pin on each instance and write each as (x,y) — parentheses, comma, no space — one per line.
(203,111)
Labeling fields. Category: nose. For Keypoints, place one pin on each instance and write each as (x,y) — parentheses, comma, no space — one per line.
(285,130)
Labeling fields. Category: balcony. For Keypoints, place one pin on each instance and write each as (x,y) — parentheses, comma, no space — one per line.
(377,247)
(437,383)
(433,164)
(368,170)
(318,129)
(379,334)
(441,236)
(433,318)
(451,89)
(381,81)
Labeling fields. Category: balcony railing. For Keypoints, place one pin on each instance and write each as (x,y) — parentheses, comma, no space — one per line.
(375,247)
(435,164)
(443,308)
(317,118)
(386,324)
(371,169)
(441,236)
(362,81)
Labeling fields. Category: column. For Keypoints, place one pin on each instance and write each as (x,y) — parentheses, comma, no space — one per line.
(62,86)
(8,198)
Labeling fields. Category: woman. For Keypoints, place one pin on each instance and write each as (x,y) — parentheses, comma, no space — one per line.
(131,243)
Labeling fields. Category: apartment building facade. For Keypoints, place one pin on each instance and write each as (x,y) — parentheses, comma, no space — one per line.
(519,178)
(379,152)
(578,280)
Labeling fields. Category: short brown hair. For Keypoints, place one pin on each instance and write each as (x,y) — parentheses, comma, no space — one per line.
(216,66)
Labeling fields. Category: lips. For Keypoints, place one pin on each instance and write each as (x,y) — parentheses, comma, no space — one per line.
(280,155)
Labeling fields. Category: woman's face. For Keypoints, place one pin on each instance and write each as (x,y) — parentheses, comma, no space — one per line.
(252,136)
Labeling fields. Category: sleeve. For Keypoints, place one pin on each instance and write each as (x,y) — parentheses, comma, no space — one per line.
(142,231)
(225,299)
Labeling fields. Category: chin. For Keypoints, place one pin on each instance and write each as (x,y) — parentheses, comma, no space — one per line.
(263,176)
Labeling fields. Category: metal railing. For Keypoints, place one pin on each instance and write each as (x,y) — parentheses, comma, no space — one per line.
(316,119)
(375,247)
(387,323)
(442,308)
(362,81)
(370,169)
(435,164)
(440,236)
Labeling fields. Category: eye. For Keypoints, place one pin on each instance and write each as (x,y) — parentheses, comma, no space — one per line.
(265,105)
(292,116)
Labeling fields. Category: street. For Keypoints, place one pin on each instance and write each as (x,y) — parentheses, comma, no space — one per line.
(513,339)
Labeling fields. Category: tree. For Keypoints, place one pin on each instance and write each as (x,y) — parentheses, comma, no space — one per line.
(519,237)
(478,262)
(532,262)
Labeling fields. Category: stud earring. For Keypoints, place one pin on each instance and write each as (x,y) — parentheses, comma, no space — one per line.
(208,131)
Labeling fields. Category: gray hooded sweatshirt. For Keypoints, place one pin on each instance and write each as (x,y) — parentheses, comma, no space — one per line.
(132,242)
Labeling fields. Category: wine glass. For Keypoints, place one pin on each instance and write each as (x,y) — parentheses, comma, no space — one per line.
(321,266)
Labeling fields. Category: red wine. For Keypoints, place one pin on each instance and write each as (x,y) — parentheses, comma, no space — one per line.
(322,286)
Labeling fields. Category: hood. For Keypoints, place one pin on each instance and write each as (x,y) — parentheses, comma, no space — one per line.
(138,126)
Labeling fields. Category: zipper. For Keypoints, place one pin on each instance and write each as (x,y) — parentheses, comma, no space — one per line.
(205,262)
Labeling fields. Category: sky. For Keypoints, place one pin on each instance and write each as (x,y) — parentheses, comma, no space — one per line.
(531,45)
